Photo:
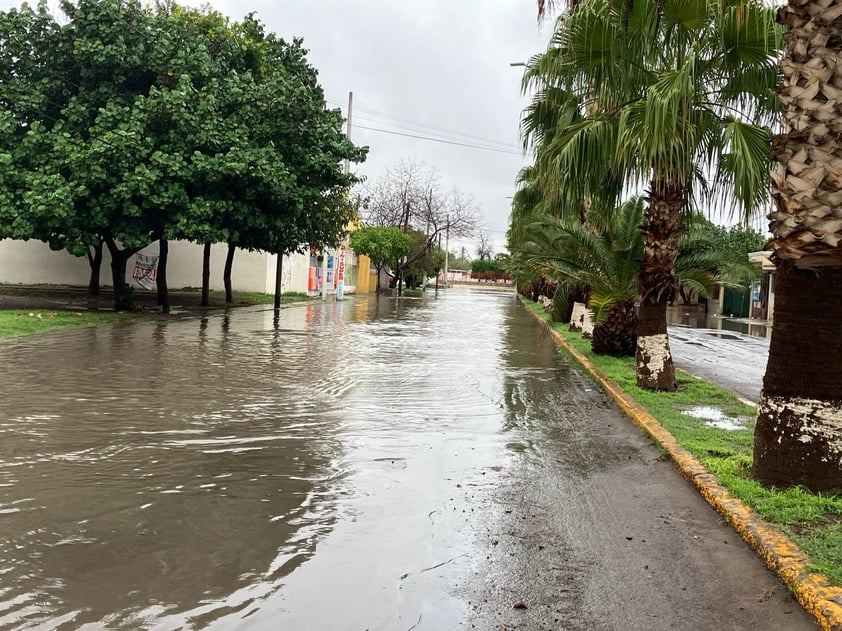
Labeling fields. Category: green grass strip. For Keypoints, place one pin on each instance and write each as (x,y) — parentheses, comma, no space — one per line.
(18,323)
(256,298)
(812,521)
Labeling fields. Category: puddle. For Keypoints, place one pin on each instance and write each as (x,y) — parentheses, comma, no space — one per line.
(715,418)
(727,336)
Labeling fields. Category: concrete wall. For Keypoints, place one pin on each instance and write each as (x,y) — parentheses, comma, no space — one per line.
(33,263)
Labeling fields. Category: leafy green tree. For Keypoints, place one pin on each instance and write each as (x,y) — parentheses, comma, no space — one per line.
(422,268)
(666,90)
(384,245)
(131,125)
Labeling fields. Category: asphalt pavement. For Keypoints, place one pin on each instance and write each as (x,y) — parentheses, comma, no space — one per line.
(730,359)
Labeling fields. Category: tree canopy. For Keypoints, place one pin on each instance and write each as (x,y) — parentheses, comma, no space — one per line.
(129,124)
(384,245)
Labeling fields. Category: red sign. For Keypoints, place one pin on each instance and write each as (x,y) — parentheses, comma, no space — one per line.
(340,275)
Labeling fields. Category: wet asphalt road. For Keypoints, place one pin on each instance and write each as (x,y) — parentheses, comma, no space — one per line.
(734,360)
(426,464)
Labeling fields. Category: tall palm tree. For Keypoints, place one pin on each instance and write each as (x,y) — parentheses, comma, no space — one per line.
(599,257)
(673,89)
(798,436)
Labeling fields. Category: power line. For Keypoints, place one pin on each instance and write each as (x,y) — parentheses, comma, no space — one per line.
(446,142)
(433,133)
(430,129)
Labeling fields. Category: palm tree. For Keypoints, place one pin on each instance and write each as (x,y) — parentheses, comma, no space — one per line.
(601,258)
(672,89)
(798,436)
(706,260)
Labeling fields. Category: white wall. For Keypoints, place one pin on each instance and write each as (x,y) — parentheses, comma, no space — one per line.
(33,263)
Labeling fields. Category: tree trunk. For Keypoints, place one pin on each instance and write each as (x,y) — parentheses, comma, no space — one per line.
(206,275)
(377,282)
(123,293)
(279,270)
(95,263)
(399,281)
(617,334)
(798,436)
(229,264)
(661,232)
(161,277)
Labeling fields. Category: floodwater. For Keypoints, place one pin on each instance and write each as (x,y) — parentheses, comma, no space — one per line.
(695,317)
(235,470)
(415,464)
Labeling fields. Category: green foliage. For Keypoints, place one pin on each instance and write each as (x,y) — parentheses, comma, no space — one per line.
(459,260)
(655,90)
(425,266)
(715,255)
(485,266)
(600,257)
(17,323)
(383,245)
(134,123)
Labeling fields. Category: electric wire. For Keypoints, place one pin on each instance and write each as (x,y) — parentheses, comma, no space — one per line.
(413,126)
(446,142)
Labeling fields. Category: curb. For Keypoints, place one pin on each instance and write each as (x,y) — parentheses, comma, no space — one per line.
(813,591)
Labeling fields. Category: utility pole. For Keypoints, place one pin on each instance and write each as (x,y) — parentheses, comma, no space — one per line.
(348,128)
(340,288)
(446,250)
(339,259)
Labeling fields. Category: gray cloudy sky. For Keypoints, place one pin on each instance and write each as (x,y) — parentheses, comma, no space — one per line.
(431,68)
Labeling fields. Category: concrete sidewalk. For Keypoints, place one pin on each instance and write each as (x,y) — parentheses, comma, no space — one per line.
(733,360)
(716,356)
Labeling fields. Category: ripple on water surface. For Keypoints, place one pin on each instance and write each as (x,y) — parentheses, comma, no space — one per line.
(199,473)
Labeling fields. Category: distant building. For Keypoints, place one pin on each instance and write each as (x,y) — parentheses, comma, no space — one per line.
(762,290)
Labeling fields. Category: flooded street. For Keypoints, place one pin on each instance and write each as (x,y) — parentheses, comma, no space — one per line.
(421,464)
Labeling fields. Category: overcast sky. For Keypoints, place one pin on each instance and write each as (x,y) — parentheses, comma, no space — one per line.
(436,68)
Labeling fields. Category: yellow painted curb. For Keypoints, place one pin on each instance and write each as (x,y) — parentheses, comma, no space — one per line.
(814,592)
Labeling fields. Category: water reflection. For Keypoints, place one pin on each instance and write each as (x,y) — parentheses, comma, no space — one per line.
(208,473)
(695,317)
(136,455)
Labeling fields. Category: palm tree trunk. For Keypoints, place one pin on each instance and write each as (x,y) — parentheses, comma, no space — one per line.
(617,334)
(654,365)
(798,435)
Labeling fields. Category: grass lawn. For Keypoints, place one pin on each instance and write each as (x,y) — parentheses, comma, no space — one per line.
(17,323)
(252,297)
(813,521)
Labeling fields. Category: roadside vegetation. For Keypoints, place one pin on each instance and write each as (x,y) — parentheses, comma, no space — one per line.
(811,520)
(17,322)
(124,125)
(694,102)
(20,323)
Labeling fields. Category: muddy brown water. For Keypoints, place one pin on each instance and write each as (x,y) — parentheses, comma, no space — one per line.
(393,464)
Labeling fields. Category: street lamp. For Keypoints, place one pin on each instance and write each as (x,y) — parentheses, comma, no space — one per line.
(515,64)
